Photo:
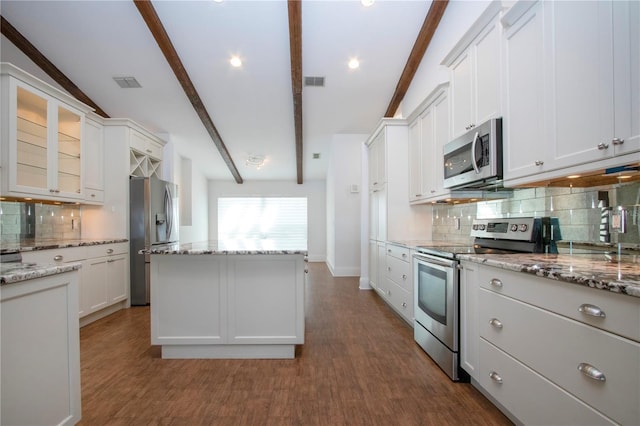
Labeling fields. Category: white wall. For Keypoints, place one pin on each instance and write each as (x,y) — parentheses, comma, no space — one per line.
(458,17)
(343,206)
(314,190)
(192,192)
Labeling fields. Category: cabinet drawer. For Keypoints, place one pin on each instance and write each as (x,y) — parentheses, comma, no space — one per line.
(55,255)
(399,252)
(400,272)
(93,195)
(554,346)
(553,406)
(100,250)
(401,300)
(622,313)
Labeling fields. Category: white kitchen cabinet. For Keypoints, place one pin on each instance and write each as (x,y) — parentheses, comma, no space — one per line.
(94,161)
(42,139)
(475,73)
(145,155)
(469,335)
(373,264)
(381,265)
(571,102)
(390,215)
(145,149)
(531,335)
(399,280)
(104,277)
(429,132)
(377,162)
(40,351)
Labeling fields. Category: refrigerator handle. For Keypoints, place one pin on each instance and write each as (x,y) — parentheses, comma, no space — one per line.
(168,209)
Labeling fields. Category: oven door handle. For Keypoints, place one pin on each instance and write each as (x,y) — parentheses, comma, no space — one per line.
(473,153)
(435,260)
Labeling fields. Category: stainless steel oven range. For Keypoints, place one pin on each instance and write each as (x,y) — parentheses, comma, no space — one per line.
(436,281)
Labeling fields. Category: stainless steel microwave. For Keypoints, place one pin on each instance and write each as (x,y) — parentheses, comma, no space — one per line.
(474,160)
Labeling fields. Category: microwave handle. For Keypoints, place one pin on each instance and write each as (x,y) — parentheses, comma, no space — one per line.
(473,153)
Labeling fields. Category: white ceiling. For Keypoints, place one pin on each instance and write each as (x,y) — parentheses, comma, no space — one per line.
(93,41)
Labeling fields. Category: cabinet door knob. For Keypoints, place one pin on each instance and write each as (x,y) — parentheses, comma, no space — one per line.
(602,146)
(404,304)
(58,258)
(592,310)
(539,162)
(495,377)
(93,195)
(404,276)
(110,260)
(404,255)
(110,251)
(617,141)
(591,372)
(495,282)
(389,268)
(495,322)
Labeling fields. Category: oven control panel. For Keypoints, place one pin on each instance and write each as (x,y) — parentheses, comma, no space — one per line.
(516,228)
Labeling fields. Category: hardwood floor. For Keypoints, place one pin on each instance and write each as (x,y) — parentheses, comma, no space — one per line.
(359,365)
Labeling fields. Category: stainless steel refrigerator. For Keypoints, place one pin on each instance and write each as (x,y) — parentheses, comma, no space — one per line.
(153,220)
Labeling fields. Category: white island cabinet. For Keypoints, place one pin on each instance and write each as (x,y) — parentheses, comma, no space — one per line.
(211,302)
(40,345)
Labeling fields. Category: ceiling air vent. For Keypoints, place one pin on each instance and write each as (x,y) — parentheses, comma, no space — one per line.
(314,81)
(127,82)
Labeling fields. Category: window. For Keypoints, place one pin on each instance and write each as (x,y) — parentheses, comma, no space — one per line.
(263,218)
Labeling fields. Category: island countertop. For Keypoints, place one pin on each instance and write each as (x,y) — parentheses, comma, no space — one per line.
(17,272)
(235,246)
(591,270)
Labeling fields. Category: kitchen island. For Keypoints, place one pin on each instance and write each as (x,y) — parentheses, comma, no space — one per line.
(227,299)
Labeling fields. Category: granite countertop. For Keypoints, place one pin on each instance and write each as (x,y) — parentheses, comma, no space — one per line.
(281,246)
(17,272)
(31,245)
(622,275)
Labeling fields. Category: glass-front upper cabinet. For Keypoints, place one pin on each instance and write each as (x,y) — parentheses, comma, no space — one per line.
(42,147)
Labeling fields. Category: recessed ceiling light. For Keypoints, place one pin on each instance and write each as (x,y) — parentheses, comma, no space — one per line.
(573,176)
(235,61)
(367,3)
(354,63)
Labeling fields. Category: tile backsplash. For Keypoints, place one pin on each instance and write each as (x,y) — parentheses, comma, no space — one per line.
(584,213)
(21,221)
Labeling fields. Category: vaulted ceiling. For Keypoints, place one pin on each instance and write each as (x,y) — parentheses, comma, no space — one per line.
(179,52)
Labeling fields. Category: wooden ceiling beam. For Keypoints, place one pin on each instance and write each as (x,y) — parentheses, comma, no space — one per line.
(21,42)
(295,46)
(429,26)
(152,20)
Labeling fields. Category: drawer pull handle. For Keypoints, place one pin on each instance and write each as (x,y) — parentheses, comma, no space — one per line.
(495,322)
(57,258)
(591,372)
(495,282)
(592,310)
(110,261)
(110,251)
(389,268)
(404,255)
(495,377)
(404,276)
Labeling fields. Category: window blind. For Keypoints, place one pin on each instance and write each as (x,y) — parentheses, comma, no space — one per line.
(263,218)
